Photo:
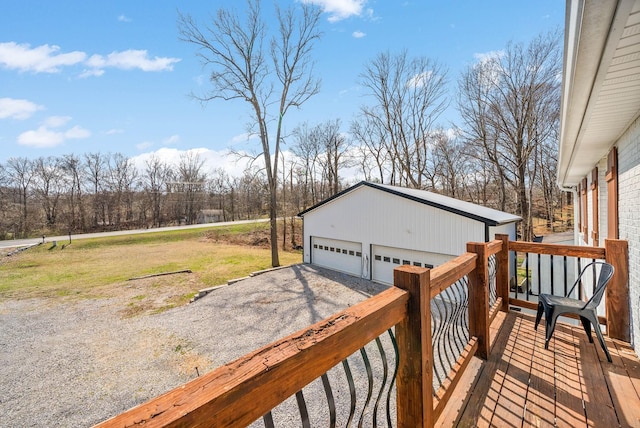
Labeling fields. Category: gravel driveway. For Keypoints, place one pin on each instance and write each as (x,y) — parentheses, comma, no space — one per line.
(76,363)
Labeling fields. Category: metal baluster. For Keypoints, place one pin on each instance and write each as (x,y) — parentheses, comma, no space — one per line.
(367,367)
(552,277)
(352,391)
(566,285)
(268,420)
(385,373)
(330,400)
(302,406)
(393,378)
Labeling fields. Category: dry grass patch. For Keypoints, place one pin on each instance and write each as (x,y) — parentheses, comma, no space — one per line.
(103,267)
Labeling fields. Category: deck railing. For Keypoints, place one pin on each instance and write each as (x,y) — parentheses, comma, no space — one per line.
(437,320)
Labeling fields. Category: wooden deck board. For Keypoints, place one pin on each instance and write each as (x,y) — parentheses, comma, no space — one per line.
(511,404)
(541,407)
(570,384)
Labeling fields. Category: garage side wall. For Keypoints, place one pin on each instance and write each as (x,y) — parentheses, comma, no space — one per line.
(373,217)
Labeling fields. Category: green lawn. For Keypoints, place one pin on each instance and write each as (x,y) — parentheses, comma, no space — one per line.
(98,267)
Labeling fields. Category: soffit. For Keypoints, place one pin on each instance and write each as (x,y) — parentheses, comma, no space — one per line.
(601,83)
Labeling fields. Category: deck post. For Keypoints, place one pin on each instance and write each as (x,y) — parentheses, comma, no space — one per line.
(413,334)
(479,299)
(617,292)
(502,272)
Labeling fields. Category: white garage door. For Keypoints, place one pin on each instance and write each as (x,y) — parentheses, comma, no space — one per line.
(343,256)
(386,259)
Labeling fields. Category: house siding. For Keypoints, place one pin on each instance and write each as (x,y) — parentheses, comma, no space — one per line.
(629,217)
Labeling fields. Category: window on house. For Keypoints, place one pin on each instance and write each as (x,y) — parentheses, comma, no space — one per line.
(612,194)
(396,261)
(387,259)
(351,252)
(417,264)
(378,258)
(358,254)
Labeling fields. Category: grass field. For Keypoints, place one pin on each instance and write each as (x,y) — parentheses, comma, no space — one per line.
(95,268)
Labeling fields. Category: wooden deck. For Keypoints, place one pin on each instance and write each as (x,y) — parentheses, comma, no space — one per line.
(569,385)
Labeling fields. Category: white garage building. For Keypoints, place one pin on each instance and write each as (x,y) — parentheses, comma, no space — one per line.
(369,229)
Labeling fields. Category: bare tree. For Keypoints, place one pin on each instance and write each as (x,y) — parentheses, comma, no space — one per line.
(510,105)
(72,165)
(96,168)
(156,176)
(240,69)
(49,180)
(21,173)
(191,183)
(409,95)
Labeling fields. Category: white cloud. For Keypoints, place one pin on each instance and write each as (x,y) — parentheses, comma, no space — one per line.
(358,34)
(488,56)
(42,59)
(17,109)
(124,18)
(91,73)
(48,59)
(341,9)
(56,121)
(77,133)
(144,145)
(131,59)
(47,134)
(115,131)
(419,80)
(243,138)
(174,139)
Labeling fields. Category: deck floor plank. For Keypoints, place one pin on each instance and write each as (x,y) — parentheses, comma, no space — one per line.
(571,384)
(480,406)
(597,400)
(569,408)
(510,408)
(624,395)
(541,405)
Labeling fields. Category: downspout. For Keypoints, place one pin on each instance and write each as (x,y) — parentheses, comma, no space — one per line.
(575,195)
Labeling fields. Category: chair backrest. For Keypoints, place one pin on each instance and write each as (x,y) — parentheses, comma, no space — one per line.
(606,272)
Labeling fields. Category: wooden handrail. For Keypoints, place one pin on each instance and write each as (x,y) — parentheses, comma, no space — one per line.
(242,391)
(557,249)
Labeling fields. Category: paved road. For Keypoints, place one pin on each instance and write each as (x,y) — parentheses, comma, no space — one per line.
(14,243)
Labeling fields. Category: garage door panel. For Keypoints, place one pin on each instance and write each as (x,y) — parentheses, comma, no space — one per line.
(343,256)
(386,259)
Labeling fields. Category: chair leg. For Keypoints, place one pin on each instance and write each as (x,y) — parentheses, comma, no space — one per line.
(551,326)
(587,328)
(596,327)
(539,315)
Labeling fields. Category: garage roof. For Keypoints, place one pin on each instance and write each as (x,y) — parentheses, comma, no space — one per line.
(482,214)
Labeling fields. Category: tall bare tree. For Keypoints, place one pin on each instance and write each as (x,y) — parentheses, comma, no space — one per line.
(154,182)
(267,69)
(21,173)
(510,104)
(409,96)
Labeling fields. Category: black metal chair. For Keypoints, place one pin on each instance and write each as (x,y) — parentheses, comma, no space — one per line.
(554,306)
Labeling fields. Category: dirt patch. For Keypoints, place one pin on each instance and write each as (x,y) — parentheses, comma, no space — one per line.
(154,295)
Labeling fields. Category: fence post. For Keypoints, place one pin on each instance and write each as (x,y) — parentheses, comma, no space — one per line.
(617,292)
(479,299)
(502,272)
(413,335)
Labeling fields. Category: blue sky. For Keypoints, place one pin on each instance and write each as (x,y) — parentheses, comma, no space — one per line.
(112,76)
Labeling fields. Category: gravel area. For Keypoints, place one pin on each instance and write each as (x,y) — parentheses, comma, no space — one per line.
(76,363)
